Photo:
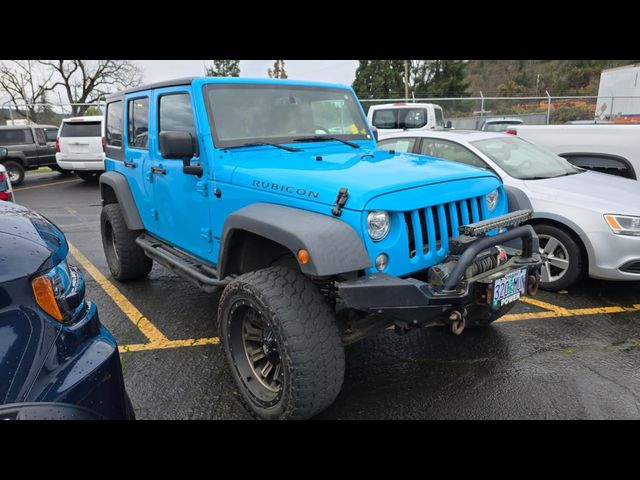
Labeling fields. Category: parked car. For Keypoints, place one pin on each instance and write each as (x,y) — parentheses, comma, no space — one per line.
(587,222)
(53,347)
(613,149)
(6,191)
(317,238)
(29,148)
(500,124)
(396,117)
(80,146)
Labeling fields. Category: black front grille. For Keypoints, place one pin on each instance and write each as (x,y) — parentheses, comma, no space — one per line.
(631,267)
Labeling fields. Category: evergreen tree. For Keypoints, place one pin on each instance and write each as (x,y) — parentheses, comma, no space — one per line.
(379,79)
(278,70)
(224,68)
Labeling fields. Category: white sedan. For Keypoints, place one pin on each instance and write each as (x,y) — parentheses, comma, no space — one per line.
(587,222)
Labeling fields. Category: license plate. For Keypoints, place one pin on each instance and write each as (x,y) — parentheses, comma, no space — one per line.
(509,288)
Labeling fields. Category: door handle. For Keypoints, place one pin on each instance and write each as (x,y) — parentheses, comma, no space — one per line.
(161,171)
(130,164)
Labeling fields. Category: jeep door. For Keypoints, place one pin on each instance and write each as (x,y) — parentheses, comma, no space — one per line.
(183,216)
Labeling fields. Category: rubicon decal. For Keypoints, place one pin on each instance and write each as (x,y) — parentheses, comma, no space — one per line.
(303,192)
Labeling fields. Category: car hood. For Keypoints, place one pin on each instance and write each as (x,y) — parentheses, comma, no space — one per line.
(365,173)
(595,191)
(29,243)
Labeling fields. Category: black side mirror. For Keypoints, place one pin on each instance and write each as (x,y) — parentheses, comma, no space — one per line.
(447,124)
(174,145)
(375,133)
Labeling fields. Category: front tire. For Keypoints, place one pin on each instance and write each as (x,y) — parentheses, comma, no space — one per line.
(564,264)
(282,344)
(125,258)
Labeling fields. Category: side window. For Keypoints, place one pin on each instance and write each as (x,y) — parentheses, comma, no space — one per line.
(398,144)
(438,114)
(413,118)
(450,151)
(51,134)
(385,119)
(113,130)
(138,123)
(42,140)
(175,114)
(15,137)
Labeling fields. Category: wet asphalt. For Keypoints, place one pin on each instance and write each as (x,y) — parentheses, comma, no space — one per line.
(562,367)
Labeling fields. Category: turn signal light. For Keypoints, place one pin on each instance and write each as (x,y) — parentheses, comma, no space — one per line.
(303,256)
(43,293)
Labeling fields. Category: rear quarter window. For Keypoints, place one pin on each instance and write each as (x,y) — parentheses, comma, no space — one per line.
(81,129)
(115,124)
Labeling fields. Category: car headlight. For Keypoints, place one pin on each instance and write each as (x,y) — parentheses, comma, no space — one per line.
(59,291)
(378,224)
(492,200)
(624,224)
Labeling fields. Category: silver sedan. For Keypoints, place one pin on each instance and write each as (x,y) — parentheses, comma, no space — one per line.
(588,222)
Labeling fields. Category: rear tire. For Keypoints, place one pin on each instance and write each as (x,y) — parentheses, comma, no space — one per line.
(277,321)
(125,258)
(89,176)
(15,170)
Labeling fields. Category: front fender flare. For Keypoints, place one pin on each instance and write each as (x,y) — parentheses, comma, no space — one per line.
(334,246)
(118,183)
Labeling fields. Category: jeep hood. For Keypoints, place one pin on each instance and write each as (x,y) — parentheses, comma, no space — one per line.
(365,173)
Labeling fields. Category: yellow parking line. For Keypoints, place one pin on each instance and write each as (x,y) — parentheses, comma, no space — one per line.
(139,320)
(139,347)
(545,305)
(75,180)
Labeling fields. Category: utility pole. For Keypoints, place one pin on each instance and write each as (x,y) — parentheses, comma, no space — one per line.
(406,81)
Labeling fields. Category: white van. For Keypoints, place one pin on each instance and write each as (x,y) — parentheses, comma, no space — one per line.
(398,117)
(80,146)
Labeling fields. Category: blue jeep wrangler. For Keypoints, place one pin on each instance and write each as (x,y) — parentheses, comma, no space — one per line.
(275,192)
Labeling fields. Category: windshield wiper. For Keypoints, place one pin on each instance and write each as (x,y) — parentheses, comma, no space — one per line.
(262,144)
(322,138)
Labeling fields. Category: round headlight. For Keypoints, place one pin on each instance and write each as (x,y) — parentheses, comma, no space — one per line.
(492,200)
(378,224)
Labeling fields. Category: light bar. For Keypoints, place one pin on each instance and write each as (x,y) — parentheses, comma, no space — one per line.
(508,220)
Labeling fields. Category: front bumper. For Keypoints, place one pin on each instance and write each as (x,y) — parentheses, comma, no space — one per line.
(611,253)
(417,302)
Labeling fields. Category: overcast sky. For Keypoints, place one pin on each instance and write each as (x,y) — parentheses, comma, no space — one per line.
(336,71)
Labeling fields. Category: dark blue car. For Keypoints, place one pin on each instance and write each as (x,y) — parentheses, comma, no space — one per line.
(53,348)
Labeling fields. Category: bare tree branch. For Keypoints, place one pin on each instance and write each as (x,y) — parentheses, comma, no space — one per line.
(26,84)
(87,81)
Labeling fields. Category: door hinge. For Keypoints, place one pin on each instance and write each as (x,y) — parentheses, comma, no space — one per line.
(206,234)
(154,213)
(341,199)
(149,176)
(201,187)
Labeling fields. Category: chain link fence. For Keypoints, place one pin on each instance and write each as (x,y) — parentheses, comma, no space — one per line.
(470,112)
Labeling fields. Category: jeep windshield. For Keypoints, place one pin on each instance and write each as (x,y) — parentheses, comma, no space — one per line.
(246,114)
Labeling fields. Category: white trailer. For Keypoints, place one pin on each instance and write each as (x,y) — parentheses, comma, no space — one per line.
(619,94)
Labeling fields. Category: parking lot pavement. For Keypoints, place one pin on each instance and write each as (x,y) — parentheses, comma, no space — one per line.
(559,356)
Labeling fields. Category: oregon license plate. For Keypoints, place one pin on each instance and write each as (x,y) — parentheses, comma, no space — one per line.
(509,288)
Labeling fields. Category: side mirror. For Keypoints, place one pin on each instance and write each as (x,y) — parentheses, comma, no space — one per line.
(375,133)
(174,145)
(447,124)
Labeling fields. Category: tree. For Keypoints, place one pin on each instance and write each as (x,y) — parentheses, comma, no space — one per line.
(379,79)
(278,70)
(438,78)
(87,81)
(26,84)
(224,68)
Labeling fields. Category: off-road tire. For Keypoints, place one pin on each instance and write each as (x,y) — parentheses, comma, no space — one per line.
(308,340)
(125,258)
(16,167)
(576,261)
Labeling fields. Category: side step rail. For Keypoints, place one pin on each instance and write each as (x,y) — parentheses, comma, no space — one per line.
(203,275)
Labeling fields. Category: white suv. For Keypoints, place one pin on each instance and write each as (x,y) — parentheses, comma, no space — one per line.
(80,146)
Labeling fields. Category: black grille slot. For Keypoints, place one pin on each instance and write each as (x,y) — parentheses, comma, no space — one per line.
(410,234)
(632,267)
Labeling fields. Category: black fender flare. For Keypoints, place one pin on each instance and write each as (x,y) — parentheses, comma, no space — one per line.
(334,246)
(118,183)
(517,199)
